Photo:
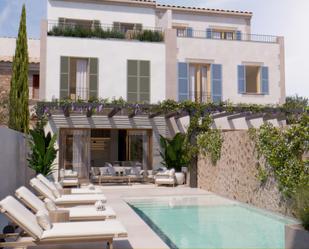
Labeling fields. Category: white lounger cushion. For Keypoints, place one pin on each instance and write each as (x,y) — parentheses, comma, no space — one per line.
(79,199)
(42,188)
(90,212)
(49,184)
(54,189)
(112,228)
(76,213)
(22,216)
(30,199)
(66,199)
(86,191)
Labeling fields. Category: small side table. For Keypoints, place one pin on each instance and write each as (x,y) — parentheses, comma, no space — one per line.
(58,216)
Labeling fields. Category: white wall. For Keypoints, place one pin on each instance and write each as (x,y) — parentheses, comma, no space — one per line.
(112,56)
(8,45)
(201,22)
(233,53)
(106,13)
(13,166)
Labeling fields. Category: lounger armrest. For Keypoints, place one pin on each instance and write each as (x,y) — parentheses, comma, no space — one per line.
(59,216)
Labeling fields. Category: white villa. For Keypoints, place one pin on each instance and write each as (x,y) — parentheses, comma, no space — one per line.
(147,52)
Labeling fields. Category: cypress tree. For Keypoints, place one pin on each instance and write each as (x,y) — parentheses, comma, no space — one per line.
(19,93)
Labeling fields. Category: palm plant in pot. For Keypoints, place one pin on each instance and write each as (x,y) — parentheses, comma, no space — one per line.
(42,150)
(174,154)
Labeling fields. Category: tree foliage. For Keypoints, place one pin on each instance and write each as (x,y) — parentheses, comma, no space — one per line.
(19,92)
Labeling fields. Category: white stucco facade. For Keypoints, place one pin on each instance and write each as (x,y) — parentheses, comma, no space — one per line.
(114,53)
(230,54)
(112,60)
(105,13)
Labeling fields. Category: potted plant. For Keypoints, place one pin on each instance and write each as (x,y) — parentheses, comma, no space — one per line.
(42,150)
(174,155)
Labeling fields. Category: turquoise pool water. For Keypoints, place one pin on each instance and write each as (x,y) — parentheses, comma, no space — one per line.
(187,225)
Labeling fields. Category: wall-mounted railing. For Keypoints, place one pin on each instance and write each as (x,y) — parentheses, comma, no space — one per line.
(232,36)
(104,31)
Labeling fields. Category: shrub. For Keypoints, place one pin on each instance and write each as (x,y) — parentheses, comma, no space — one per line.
(99,32)
(302,205)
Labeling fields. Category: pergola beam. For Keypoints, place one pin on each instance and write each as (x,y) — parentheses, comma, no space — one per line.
(171,114)
(113,112)
(182,115)
(255,116)
(221,115)
(155,114)
(238,115)
(270,116)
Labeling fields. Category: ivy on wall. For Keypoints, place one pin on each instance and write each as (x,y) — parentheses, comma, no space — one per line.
(283,151)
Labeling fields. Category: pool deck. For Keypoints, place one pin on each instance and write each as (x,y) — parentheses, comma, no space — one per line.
(141,236)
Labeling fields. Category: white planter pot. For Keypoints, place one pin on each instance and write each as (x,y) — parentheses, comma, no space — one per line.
(180,178)
(296,237)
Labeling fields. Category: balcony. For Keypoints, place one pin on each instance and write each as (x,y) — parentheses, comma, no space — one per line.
(104,31)
(189,33)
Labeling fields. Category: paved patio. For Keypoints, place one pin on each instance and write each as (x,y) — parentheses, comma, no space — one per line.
(140,235)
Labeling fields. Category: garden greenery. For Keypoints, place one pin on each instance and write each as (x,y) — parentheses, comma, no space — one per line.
(283,151)
(99,32)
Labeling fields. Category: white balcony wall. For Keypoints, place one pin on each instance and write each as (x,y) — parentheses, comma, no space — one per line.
(233,53)
(200,22)
(106,13)
(112,56)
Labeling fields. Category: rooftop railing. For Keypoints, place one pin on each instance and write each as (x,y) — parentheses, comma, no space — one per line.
(104,31)
(229,36)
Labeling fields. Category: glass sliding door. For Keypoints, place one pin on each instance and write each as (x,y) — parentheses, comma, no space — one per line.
(75,151)
(138,148)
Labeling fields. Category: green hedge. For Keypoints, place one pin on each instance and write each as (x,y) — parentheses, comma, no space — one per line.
(98,32)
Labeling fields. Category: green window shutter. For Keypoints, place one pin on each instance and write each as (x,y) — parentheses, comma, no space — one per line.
(144,81)
(96,24)
(64,77)
(138,85)
(93,78)
(132,84)
(116,26)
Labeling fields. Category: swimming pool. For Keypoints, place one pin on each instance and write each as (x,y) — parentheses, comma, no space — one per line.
(211,222)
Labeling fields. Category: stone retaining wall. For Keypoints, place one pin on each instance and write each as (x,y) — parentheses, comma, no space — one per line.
(236,175)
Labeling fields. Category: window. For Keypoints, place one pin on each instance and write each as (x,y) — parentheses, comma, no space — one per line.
(223,34)
(252,79)
(86,24)
(199,82)
(124,27)
(138,81)
(78,78)
(181,32)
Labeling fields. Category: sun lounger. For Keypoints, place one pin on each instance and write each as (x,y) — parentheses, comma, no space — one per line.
(52,187)
(59,233)
(65,200)
(81,213)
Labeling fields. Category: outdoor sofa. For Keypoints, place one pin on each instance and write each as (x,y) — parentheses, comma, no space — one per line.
(65,200)
(58,233)
(81,213)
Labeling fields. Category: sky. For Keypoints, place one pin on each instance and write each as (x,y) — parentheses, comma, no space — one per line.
(288,18)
